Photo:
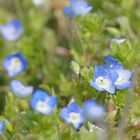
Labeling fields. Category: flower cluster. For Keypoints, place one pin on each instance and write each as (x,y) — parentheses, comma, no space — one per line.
(45,103)
(76,115)
(110,76)
(107,77)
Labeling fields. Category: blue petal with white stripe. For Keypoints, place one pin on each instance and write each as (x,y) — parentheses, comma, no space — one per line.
(14,64)
(19,89)
(43,102)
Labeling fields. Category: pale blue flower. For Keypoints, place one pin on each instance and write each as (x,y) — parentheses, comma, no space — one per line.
(73,114)
(43,102)
(12,30)
(2,126)
(14,64)
(93,111)
(77,8)
(19,89)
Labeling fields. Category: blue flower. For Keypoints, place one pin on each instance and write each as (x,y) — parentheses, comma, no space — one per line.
(73,114)
(11,30)
(92,110)
(19,89)
(104,79)
(77,8)
(14,64)
(2,126)
(43,102)
(122,81)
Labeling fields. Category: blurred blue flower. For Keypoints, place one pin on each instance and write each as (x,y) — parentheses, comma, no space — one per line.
(104,79)
(14,64)
(92,110)
(73,114)
(122,81)
(43,102)
(77,8)
(19,89)
(12,30)
(2,126)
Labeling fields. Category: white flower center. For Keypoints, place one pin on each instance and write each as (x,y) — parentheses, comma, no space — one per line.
(74,117)
(15,63)
(41,106)
(102,82)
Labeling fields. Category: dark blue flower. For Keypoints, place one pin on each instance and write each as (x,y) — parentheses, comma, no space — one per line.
(104,79)
(19,89)
(14,64)
(2,126)
(12,30)
(92,110)
(73,114)
(77,8)
(43,102)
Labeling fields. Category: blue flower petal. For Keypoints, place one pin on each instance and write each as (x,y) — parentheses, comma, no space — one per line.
(2,126)
(73,107)
(112,63)
(64,115)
